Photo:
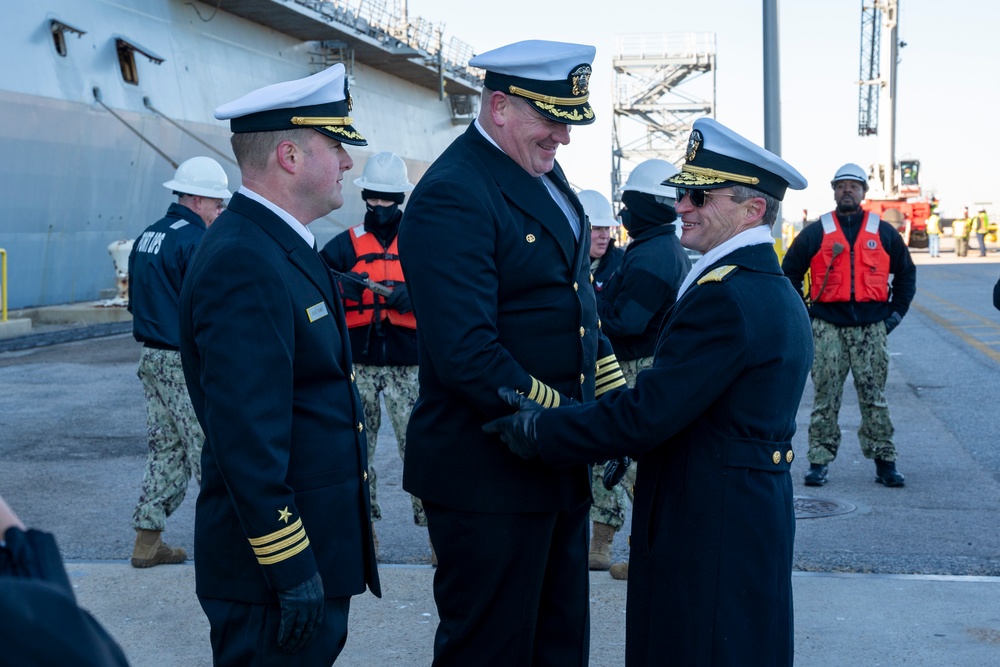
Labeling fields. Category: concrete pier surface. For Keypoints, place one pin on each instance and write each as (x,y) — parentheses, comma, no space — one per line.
(907,576)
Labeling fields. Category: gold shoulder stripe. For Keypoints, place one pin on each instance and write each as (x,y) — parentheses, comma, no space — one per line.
(717,275)
(277,535)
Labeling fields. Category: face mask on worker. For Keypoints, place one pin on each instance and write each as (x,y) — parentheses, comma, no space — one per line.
(380,216)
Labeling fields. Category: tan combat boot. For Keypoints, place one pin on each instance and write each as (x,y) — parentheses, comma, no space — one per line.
(619,571)
(150,550)
(600,546)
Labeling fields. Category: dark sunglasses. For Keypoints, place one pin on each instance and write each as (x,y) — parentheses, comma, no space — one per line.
(698,196)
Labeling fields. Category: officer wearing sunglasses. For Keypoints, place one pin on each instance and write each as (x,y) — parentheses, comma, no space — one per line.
(710,424)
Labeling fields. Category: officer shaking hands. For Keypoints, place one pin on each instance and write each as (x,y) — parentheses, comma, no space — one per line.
(710,423)
(496,250)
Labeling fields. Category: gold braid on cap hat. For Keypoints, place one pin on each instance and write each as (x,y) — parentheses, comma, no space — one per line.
(561,101)
(320,120)
(725,175)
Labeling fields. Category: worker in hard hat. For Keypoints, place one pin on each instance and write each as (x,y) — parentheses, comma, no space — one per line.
(382,328)
(934,234)
(854,305)
(156,265)
(605,254)
(632,307)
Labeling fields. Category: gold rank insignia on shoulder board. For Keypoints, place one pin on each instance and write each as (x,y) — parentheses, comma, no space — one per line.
(717,275)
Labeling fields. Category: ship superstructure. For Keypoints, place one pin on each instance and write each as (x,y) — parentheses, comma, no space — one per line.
(101,99)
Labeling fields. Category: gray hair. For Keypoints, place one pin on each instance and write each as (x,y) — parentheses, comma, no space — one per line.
(745,192)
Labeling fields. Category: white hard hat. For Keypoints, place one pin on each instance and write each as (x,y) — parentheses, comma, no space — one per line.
(202,177)
(384,172)
(597,208)
(850,172)
(648,177)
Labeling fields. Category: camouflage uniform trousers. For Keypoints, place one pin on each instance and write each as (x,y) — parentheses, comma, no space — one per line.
(609,506)
(399,386)
(175,439)
(864,351)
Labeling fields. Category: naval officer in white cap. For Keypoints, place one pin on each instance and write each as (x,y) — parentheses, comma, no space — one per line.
(282,536)
(710,424)
(495,246)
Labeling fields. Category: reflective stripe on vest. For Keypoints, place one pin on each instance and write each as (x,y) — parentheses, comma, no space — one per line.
(867,279)
(382,265)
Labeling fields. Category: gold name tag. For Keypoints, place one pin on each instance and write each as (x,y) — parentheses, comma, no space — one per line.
(318,311)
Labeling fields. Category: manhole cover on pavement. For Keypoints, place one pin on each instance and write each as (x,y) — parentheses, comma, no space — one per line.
(810,508)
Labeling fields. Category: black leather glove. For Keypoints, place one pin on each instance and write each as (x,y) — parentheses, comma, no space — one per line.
(517,430)
(399,300)
(892,322)
(352,289)
(301,613)
(614,471)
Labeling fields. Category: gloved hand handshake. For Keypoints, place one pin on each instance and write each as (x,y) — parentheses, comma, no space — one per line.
(517,430)
(301,613)
(352,289)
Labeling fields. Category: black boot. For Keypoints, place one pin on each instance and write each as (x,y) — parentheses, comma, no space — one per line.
(886,473)
(816,475)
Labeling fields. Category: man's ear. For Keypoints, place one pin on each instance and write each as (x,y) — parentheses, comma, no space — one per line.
(288,155)
(755,209)
(500,107)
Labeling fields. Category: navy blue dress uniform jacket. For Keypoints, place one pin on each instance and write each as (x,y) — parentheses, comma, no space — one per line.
(501,288)
(268,366)
(711,425)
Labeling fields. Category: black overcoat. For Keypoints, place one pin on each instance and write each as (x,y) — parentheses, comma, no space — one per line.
(711,425)
(268,365)
(501,288)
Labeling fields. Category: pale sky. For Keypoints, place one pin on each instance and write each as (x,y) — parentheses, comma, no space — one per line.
(946,91)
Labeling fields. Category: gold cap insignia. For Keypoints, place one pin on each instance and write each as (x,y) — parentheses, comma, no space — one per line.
(580,77)
(694,143)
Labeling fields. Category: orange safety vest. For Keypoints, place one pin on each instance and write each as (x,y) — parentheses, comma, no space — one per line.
(382,265)
(861,274)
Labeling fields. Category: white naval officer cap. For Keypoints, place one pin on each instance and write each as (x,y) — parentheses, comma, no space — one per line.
(717,157)
(321,101)
(553,76)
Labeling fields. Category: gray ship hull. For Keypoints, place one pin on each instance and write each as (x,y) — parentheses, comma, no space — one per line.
(78,175)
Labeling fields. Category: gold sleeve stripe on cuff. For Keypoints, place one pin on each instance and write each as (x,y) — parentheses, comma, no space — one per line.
(279,546)
(543,394)
(600,391)
(285,555)
(610,359)
(277,535)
